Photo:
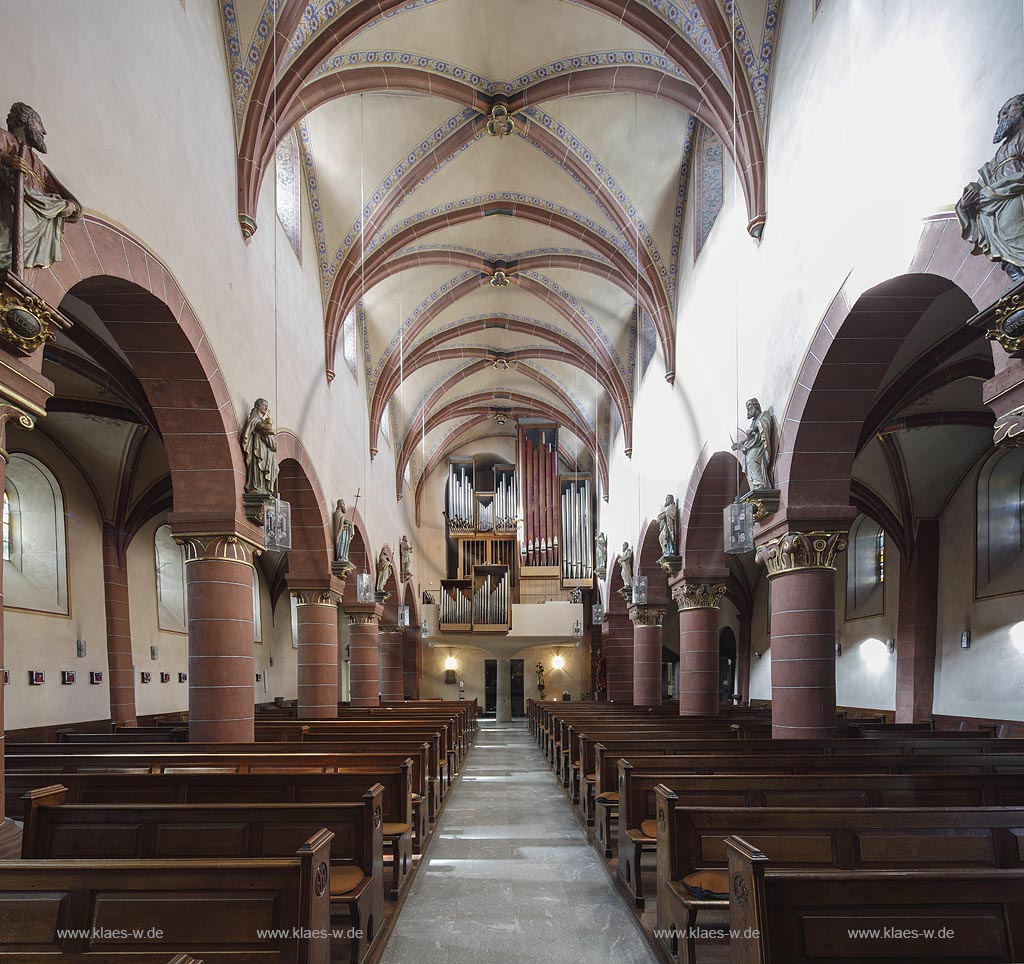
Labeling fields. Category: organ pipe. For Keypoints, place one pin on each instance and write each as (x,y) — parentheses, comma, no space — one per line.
(577,528)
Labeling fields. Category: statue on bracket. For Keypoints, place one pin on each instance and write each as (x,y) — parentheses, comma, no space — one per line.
(668,528)
(384,570)
(405,557)
(601,556)
(259,447)
(46,205)
(342,532)
(991,209)
(626,569)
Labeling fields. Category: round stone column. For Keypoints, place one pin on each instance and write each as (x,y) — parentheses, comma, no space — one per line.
(503,703)
(391,672)
(647,622)
(617,637)
(364,653)
(698,647)
(803,630)
(316,616)
(218,580)
(120,675)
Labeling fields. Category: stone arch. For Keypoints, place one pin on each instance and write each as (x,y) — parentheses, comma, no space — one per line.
(613,601)
(648,553)
(713,485)
(150,319)
(309,559)
(847,360)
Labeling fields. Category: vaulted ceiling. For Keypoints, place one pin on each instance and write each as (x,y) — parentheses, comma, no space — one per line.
(480,270)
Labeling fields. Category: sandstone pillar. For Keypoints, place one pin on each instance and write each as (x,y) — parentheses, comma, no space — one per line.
(391,671)
(917,627)
(803,630)
(120,673)
(316,615)
(364,653)
(503,702)
(647,622)
(618,653)
(698,647)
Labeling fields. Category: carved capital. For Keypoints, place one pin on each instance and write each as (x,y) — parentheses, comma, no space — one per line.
(799,551)
(364,614)
(699,595)
(386,628)
(315,597)
(218,547)
(1008,431)
(647,616)
(21,418)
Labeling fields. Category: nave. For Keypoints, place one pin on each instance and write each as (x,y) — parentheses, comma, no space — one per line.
(510,876)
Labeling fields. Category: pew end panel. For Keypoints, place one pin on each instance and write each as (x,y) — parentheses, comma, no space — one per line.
(746,902)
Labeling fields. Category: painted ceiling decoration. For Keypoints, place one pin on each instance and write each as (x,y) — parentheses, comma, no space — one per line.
(491,219)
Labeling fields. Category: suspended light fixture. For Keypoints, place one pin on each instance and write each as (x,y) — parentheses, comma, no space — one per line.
(425,629)
(403,615)
(640,590)
(364,587)
(577,629)
(597,614)
(277,525)
(739,527)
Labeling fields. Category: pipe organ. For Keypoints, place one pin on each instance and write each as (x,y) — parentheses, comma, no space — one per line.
(460,496)
(577,531)
(455,605)
(492,611)
(538,463)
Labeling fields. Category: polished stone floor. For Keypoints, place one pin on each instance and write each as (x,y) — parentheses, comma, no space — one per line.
(509,877)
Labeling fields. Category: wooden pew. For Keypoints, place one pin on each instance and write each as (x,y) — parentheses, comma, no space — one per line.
(56,830)
(638,799)
(957,916)
(206,787)
(219,757)
(138,912)
(691,848)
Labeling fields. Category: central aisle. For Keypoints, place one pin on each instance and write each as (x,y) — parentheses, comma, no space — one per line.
(510,877)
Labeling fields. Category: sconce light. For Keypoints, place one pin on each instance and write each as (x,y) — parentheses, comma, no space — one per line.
(403,615)
(839,650)
(424,629)
(364,587)
(890,645)
(154,652)
(80,647)
(450,663)
(965,639)
(557,662)
(597,614)
(640,590)
(757,655)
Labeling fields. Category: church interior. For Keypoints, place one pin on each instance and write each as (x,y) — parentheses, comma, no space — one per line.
(512,480)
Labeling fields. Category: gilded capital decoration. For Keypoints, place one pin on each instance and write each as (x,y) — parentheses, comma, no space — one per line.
(7,412)
(647,616)
(700,595)
(800,551)
(367,618)
(315,597)
(218,547)
(1008,431)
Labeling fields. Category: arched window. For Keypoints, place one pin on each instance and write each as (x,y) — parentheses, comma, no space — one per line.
(865,569)
(257,622)
(1000,537)
(708,193)
(349,344)
(170,582)
(35,546)
(289,190)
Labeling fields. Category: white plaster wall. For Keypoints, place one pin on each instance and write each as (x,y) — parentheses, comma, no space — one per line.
(986,680)
(46,641)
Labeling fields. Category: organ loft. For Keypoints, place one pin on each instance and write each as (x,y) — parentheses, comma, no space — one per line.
(338,344)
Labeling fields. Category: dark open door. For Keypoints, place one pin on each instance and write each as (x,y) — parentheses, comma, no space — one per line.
(490,687)
(518,693)
(726,664)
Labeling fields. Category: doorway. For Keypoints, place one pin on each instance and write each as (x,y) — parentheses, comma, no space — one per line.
(491,688)
(726,665)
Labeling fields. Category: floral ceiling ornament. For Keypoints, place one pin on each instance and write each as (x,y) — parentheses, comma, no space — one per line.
(500,280)
(500,124)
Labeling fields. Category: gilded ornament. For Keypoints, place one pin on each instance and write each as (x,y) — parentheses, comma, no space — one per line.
(25,322)
(1008,327)
(700,595)
(501,124)
(799,551)
(1008,431)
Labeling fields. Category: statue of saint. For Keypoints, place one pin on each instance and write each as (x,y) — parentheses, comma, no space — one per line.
(405,554)
(626,565)
(384,570)
(756,447)
(991,209)
(342,527)
(668,525)
(601,554)
(46,204)
(260,447)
